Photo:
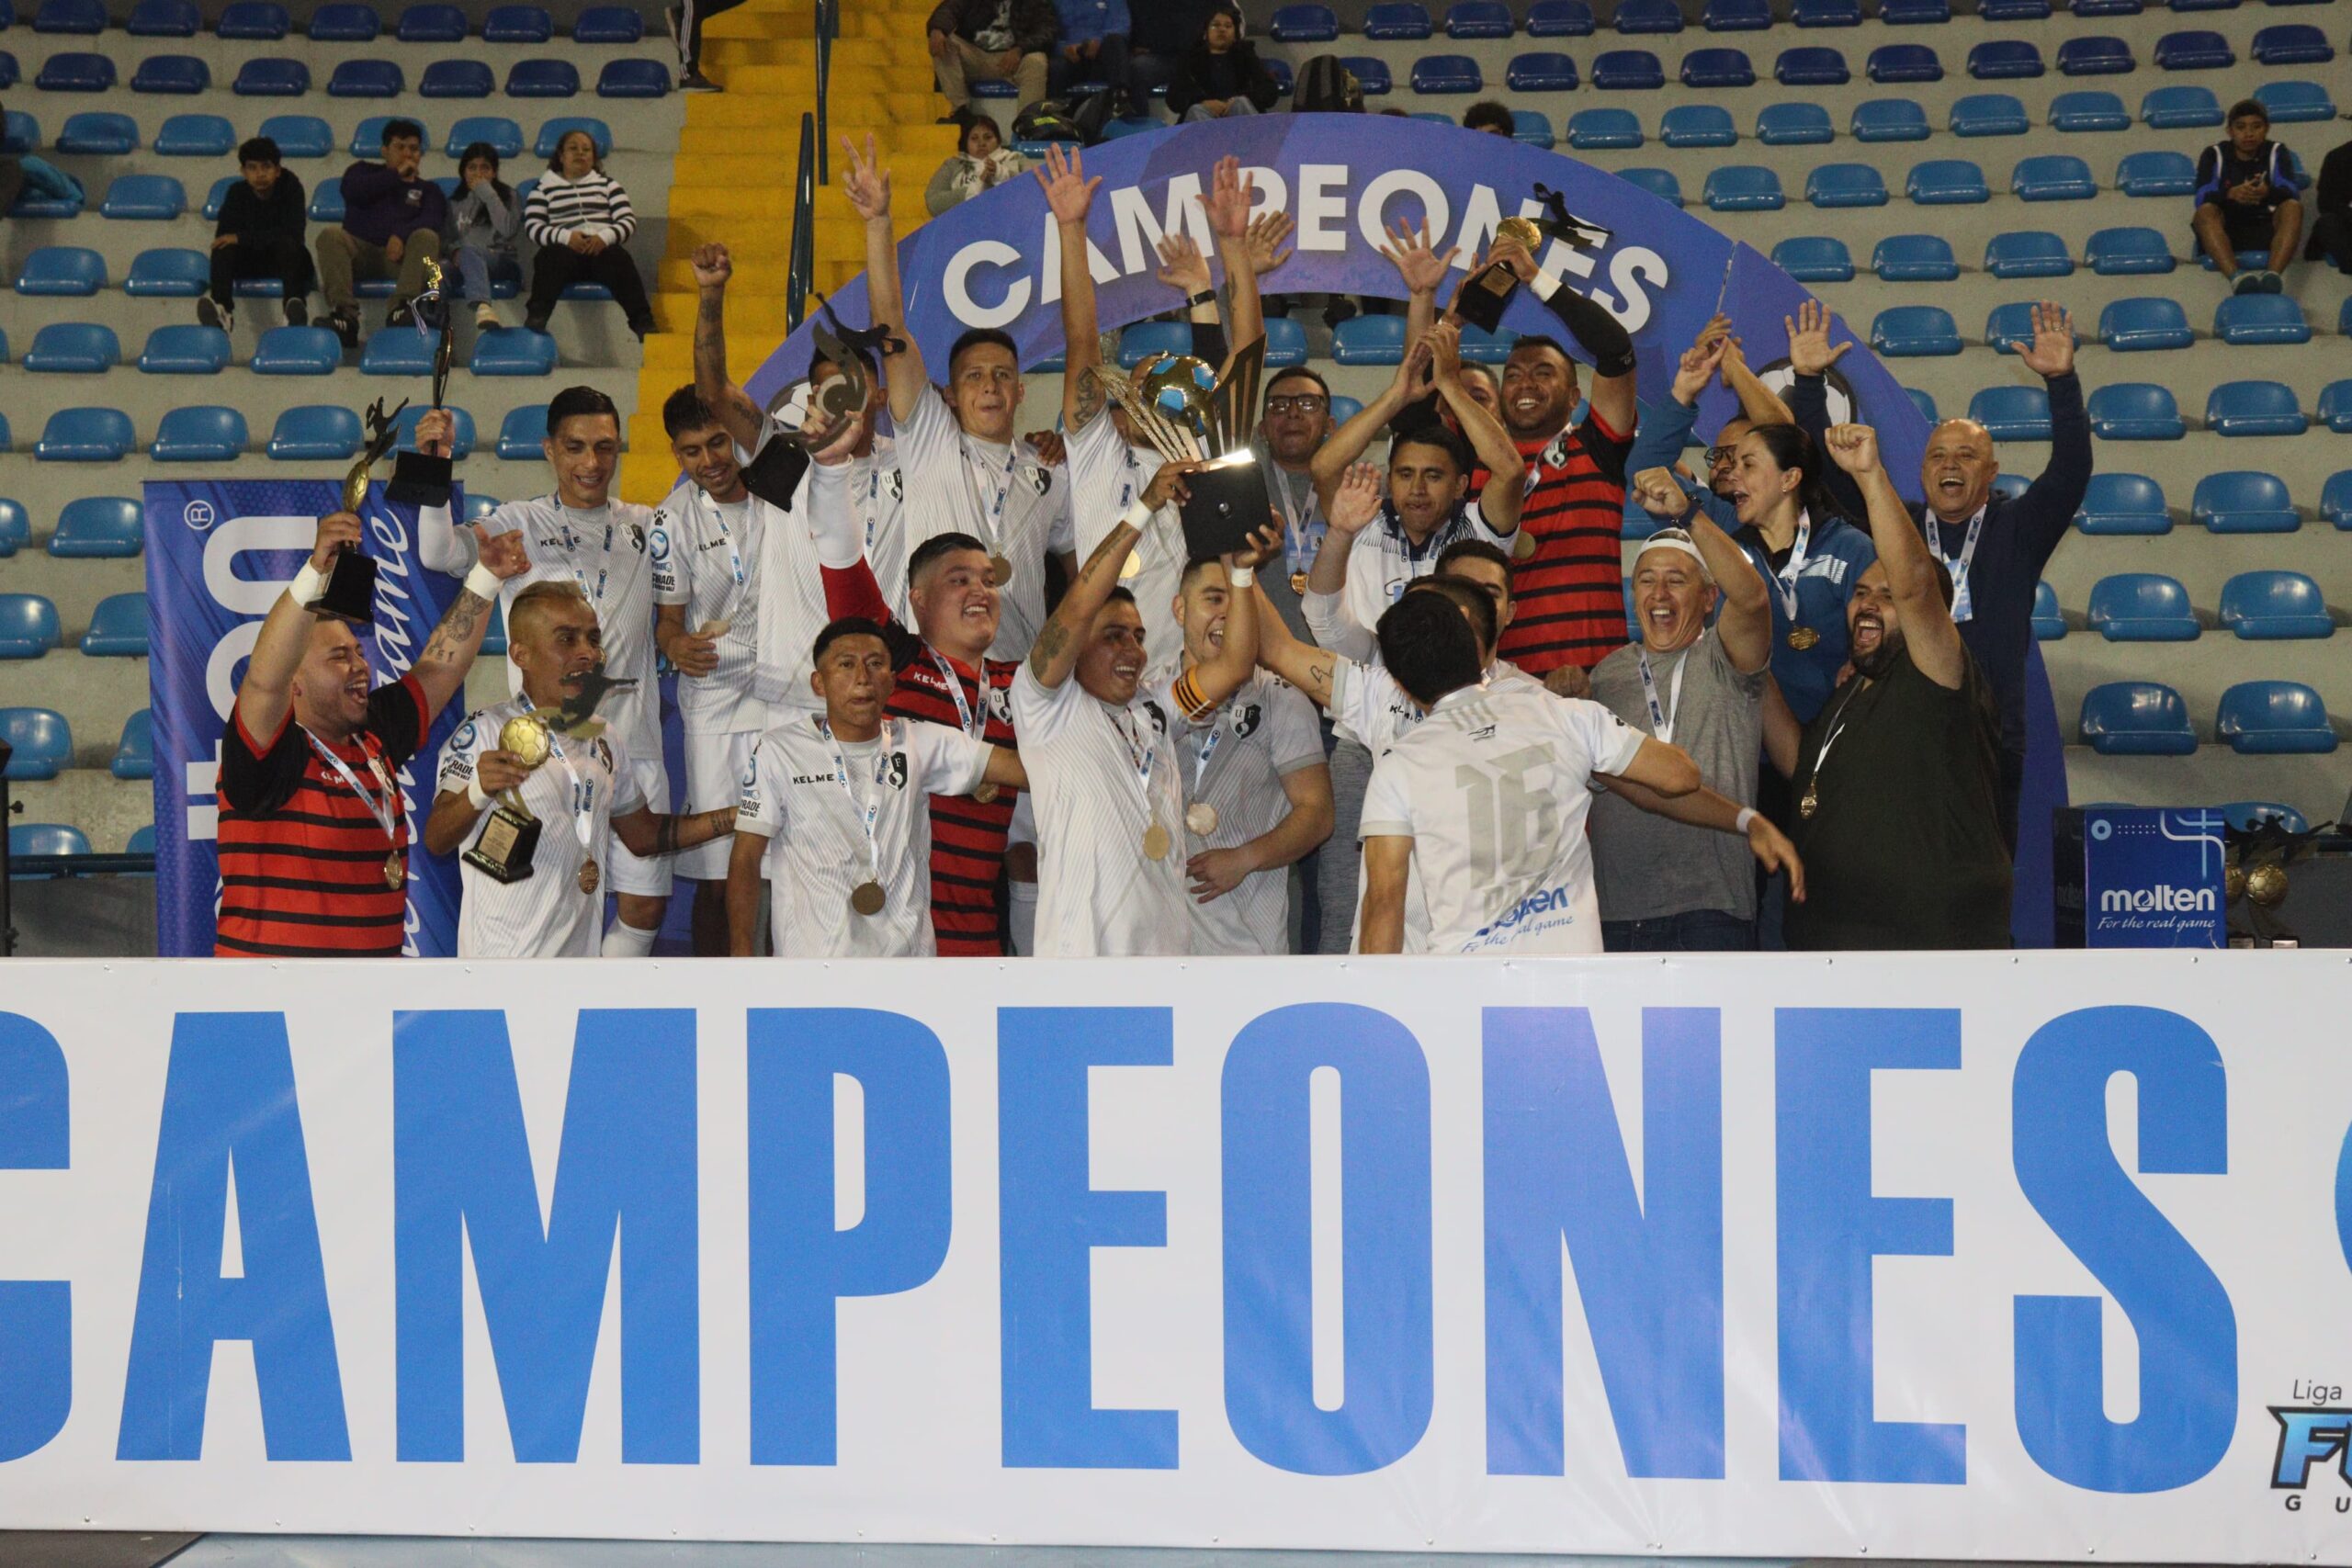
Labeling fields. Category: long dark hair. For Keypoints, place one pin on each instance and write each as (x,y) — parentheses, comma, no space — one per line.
(489,154)
(1792,448)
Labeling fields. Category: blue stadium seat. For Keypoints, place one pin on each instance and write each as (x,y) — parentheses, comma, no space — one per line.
(2010,486)
(2052,176)
(2001,60)
(1627,70)
(1811,65)
(298,351)
(1647,16)
(2012,414)
(2135,411)
(73,348)
(2129,251)
(1736,16)
(2155,172)
(2090,109)
(1479,346)
(461,444)
(608,24)
(554,130)
(144,198)
(2244,814)
(517,24)
(42,742)
(1946,182)
(2136,719)
(1659,182)
(1827,13)
(1303,24)
(1988,114)
(2293,43)
(343,21)
(1397,21)
(62,272)
(519,353)
(46,839)
(1743,188)
(2244,501)
(2005,326)
(2095,55)
(2142,607)
(2289,103)
(27,627)
(316,432)
(2194,49)
(99,527)
(1592,130)
(260,78)
(1447,73)
(502,134)
(326,202)
(1889,119)
(542,79)
(98,133)
(407,352)
(1793,125)
(2274,717)
(2255,408)
(87,16)
(164,18)
(21,133)
(1904,62)
(465,79)
(118,627)
(2336,499)
(1541,70)
(1559,18)
(185,350)
(1913,13)
(31,206)
(196,136)
(75,71)
(1478,19)
(1698,125)
(2335,406)
(2179,109)
(1913,332)
(366,79)
(522,435)
(2260,319)
(1144,339)
(1371,74)
(1717,68)
(1914,258)
(1815,259)
(86,436)
(134,758)
(2123,503)
(2049,620)
(1845,185)
(2275,606)
(650,79)
(1531,127)
(261,20)
(2026,253)
(15,528)
(171,74)
(199,434)
(432,24)
(10,72)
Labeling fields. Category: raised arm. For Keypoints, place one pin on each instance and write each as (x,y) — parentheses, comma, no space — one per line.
(1811,354)
(1759,404)
(1354,503)
(1350,441)
(1596,331)
(440,670)
(266,692)
(866,183)
(1070,194)
(1228,204)
(1745,621)
(1423,270)
(1499,504)
(1056,652)
(1308,668)
(1202,686)
(738,415)
(2047,509)
(1928,629)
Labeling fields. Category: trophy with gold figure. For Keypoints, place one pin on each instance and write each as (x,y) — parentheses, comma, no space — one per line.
(1193,414)
(351,587)
(1488,292)
(510,832)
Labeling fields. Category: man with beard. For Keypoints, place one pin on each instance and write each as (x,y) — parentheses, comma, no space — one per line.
(1898,778)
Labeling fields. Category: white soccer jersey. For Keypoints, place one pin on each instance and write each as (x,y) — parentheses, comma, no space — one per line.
(811,798)
(1103,776)
(711,559)
(1106,475)
(1370,708)
(575,794)
(1001,495)
(1493,788)
(1382,560)
(606,551)
(1235,764)
(877,495)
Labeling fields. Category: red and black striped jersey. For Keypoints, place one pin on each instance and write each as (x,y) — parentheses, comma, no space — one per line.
(1569,596)
(303,858)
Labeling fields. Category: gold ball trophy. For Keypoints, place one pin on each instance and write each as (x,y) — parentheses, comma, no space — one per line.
(510,833)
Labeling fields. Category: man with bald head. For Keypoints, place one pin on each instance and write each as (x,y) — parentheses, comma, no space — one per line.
(1994,545)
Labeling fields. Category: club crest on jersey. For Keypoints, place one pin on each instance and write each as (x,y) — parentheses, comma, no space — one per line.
(637,536)
(1158,719)
(1246,719)
(898,769)
(895,483)
(605,752)
(1000,703)
(1041,479)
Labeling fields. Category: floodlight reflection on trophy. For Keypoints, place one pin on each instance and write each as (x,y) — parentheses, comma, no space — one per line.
(1191,413)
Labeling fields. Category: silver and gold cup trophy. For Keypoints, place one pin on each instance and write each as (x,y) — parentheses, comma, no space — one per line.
(1191,413)
(351,587)
(502,851)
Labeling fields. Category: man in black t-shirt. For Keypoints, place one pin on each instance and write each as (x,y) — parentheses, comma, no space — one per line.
(2246,201)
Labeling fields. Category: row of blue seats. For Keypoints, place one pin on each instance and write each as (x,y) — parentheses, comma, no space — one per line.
(2127,251)
(2148,719)
(44,744)
(271,78)
(1407,20)
(1960,182)
(2142,324)
(108,527)
(2147,606)
(338,22)
(177,273)
(118,626)
(313,433)
(64,839)
(91,348)
(161,198)
(297,136)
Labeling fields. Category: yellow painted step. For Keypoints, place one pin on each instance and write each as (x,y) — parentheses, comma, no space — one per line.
(763,110)
(918,148)
(849,54)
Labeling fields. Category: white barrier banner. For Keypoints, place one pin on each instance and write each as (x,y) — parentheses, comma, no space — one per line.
(1927,1256)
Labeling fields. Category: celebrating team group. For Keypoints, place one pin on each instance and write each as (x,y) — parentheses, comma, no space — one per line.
(898,741)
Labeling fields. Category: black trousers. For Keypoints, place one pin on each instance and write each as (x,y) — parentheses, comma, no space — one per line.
(692,15)
(2330,241)
(559,267)
(288,260)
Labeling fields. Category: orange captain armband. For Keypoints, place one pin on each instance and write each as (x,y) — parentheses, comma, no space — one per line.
(1187,695)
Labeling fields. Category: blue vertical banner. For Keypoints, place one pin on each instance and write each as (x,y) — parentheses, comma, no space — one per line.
(2153,878)
(219,553)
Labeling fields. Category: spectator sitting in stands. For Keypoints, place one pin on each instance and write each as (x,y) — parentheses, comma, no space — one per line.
(990,40)
(1222,76)
(1491,118)
(260,235)
(982,162)
(483,221)
(12,176)
(2332,211)
(579,218)
(2246,201)
(1093,47)
(1164,31)
(391,226)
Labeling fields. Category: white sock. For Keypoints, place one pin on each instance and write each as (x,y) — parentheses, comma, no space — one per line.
(1021,917)
(625,941)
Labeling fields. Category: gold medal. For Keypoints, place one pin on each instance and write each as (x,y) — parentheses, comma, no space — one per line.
(1000,571)
(1804,639)
(1524,544)
(866,898)
(588,876)
(395,870)
(1298,582)
(986,793)
(1201,818)
(1132,565)
(1155,843)
(1810,804)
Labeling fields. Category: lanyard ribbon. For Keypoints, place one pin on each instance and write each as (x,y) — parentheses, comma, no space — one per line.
(872,807)
(1142,754)
(1787,576)
(955,692)
(385,812)
(995,515)
(1662,717)
(584,796)
(1958,566)
(1208,750)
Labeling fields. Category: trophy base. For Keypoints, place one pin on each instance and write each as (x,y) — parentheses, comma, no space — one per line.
(351,590)
(508,840)
(1486,296)
(1228,502)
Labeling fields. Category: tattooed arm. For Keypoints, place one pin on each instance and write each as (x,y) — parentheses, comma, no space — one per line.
(736,414)
(441,669)
(1056,653)
(1070,194)
(649,833)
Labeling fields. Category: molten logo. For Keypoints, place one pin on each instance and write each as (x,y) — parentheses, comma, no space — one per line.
(2157,900)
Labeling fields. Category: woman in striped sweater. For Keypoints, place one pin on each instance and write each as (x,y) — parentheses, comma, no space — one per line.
(579,218)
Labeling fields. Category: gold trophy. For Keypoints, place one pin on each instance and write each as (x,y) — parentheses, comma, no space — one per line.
(1191,415)
(1488,292)
(510,833)
(433,296)
(351,587)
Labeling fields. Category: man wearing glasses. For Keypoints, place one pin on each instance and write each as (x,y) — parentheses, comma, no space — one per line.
(1297,422)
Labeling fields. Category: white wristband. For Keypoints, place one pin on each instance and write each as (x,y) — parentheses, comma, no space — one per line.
(1545,285)
(1139,515)
(474,795)
(310,585)
(482,583)
(1242,576)
(1746,815)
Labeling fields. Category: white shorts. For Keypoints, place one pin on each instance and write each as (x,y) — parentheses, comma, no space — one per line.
(650,878)
(716,766)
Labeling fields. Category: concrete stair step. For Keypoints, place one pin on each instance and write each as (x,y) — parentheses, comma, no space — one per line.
(849,53)
(779,138)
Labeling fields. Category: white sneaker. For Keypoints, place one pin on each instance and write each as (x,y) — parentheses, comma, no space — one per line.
(486,316)
(211,315)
